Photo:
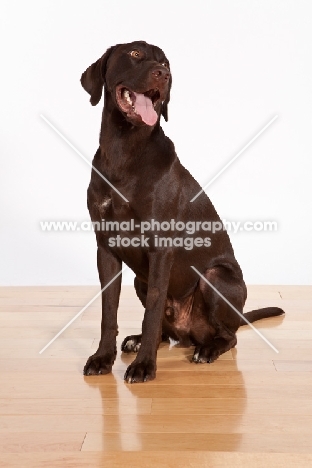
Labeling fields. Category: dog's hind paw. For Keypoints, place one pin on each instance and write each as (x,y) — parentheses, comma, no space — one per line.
(131,344)
(205,355)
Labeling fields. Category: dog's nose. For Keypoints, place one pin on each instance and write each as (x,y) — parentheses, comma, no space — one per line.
(161,73)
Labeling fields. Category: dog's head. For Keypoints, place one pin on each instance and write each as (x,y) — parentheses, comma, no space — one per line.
(136,76)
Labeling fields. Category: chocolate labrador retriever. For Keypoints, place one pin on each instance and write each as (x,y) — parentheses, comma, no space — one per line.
(138,183)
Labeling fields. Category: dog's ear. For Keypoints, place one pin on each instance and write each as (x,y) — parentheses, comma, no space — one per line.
(164,108)
(93,79)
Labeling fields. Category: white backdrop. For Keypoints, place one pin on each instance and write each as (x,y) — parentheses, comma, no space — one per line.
(235,65)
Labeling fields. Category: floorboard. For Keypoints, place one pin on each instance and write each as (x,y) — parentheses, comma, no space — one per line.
(251,408)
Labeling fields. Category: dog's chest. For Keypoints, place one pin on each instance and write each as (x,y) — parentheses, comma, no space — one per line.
(107,206)
(113,217)
(102,206)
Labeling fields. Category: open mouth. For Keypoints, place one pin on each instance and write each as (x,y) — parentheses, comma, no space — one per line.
(139,104)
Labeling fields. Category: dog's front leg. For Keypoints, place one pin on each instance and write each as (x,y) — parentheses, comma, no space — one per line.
(101,362)
(143,368)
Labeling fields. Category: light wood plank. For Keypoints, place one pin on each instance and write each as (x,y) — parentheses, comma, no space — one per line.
(275,334)
(155,459)
(46,310)
(37,366)
(209,406)
(46,336)
(282,323)
(59,351)
(295,292)
(157,406)
(253,354)
(72,383)
(208,424)
(21,442)
(297,306)
(227,442)
(74,406)
(293,366)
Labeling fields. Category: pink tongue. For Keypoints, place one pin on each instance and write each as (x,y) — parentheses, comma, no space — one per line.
(144,107)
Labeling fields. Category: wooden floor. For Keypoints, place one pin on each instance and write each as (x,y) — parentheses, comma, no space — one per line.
(252,408)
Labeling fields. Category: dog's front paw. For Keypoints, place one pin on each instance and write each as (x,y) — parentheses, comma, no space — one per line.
(140,371)
(99,364)
(131,344)
(204,354)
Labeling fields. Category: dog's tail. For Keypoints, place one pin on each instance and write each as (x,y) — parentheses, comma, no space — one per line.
(259,314)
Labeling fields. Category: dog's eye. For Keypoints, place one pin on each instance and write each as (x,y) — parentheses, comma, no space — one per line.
(135,53)
(165,64)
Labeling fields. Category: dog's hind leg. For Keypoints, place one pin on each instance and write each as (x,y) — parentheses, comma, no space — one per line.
(221,316)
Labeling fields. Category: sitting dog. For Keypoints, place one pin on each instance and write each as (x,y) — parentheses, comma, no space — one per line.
(138,178)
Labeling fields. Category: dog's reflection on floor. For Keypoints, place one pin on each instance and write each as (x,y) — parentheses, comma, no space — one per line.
(137,417)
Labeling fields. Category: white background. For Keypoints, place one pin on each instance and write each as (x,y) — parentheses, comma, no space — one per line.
(235,65)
